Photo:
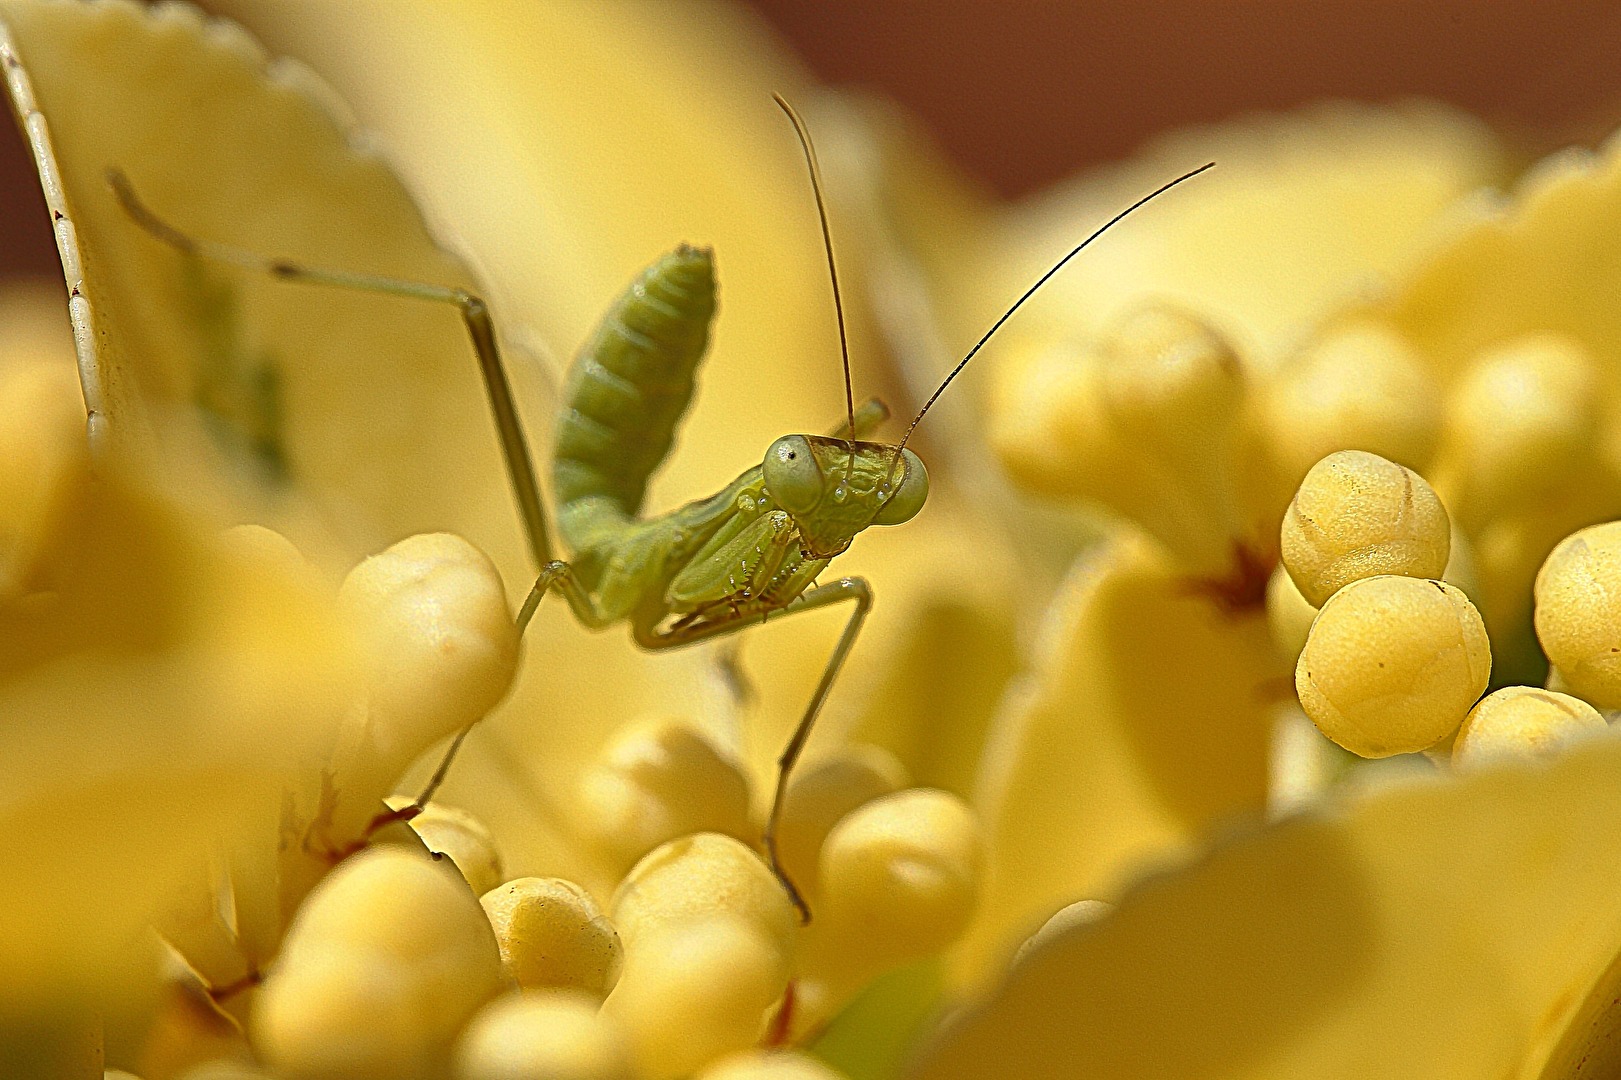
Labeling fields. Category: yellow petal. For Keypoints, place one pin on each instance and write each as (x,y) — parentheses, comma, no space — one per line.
(1144,722)
(1540,260)
(1446,928)
(1300,212)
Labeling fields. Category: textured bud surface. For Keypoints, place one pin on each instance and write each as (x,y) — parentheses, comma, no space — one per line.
(1522,721)
(552,934)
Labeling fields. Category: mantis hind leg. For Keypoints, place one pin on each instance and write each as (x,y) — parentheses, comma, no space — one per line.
(475,317)
(853,590)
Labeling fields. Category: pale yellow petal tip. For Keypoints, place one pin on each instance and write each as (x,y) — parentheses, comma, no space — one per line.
(1578,612)
(1393,664)
(459,835)
(552,935)
(655,782)
(1066,919)
(542,1035)
(1522,722)
(770,1065)
(385,961)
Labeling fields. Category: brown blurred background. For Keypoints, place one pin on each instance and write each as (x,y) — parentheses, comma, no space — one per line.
(1023,92)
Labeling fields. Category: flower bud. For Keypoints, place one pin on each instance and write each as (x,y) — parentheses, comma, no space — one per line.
(900,878)
(1393,664)
(542,1035)
(552,935)
(1520,424)
(656,782)
(1578,612)
(694,990)
(1358,515)
(1522,722)
(441,642)
(1359,387)
(703,877)
(820,794)
(387,958)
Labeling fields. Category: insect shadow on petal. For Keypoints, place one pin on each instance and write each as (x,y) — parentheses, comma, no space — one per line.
(755,549)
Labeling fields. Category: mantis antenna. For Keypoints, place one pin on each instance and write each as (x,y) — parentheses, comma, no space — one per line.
(1042,280)
(827,243)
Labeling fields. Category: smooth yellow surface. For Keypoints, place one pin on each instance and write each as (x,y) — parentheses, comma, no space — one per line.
(823,792)
(1145,720)
(1393,664)
(1450,928)
(1300,212)
(541,1035)
(691,993)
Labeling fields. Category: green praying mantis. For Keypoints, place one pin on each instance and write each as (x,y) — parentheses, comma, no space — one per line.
(754,550)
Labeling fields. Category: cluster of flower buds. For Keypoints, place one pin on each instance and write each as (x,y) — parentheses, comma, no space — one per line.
(383,939)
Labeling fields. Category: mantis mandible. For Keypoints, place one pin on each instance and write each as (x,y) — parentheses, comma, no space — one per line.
(753,550)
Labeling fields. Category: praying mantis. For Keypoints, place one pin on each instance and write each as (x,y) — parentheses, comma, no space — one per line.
(714,567)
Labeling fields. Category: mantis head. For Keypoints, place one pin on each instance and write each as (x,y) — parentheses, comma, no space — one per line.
(833,488)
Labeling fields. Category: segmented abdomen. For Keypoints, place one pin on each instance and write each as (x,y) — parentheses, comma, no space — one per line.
(625,394)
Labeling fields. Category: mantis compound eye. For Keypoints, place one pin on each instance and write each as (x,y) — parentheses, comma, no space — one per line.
(912,493)
(792,477)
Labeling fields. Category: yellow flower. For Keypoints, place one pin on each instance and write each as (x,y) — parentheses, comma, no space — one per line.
(604,910)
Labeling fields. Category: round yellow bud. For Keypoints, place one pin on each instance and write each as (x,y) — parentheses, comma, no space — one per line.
(1359,387)
(703,877)
(1520,424)
(1175,390)
(694,991)
(387,958)
(1065,919)
(769,1065)
(656,782)
(455,833)
(542,1035)
(1358,515)
(1521,722)
(552,934)
(1393,664)
(1578,612)
(900,876)
(824,791)
(440,639)
(1288,615)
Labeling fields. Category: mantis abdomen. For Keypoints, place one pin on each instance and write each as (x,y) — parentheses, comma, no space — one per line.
(625,394)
